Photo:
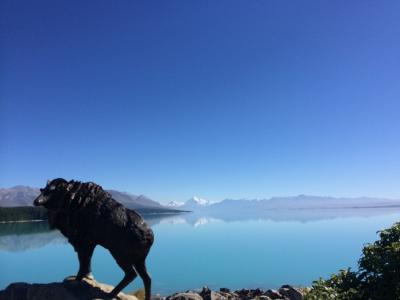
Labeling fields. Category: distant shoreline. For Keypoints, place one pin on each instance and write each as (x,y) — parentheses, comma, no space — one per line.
(23,221)
(7,218)
(22,214)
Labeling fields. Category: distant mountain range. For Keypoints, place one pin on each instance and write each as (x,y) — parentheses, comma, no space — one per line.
(290,203)
(24,195)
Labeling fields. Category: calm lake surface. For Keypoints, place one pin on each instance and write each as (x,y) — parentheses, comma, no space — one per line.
(192,250)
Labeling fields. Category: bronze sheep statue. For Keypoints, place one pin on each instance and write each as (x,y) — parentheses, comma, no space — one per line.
(88,216)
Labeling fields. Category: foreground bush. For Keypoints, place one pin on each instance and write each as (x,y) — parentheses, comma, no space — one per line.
(378,277)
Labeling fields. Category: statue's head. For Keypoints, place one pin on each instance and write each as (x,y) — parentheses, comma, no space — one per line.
(53,195)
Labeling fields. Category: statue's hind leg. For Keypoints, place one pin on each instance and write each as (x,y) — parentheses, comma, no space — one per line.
(130,275)
(85,253)
(141,269)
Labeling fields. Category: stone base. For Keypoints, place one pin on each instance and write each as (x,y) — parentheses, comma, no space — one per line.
(69,289)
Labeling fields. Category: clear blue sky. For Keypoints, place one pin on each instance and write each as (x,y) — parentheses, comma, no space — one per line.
(220,99)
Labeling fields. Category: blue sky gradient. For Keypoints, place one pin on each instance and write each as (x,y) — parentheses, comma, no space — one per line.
(221,99)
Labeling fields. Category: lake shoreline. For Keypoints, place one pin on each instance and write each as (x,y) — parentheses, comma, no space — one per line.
(23,221)
(7,218)
(142,213)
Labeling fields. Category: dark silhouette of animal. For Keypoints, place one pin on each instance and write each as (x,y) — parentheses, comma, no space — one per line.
(89,216)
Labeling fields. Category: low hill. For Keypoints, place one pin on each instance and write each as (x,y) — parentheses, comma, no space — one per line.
(19,195)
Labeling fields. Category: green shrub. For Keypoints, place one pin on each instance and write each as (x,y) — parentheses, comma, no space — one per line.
(380,266)
(378,277)
(341,286)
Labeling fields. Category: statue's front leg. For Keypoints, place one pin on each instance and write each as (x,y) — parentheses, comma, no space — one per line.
(85,253)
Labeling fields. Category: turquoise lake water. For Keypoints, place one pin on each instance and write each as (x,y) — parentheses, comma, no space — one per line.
(190,250)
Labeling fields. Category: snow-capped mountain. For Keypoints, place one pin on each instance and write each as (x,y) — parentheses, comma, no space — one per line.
(196,201)
(175,204)
(193,204)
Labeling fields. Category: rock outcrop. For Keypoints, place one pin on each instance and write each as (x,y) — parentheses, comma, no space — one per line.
(290,292)
(185,296)
(69,289)
(286,292)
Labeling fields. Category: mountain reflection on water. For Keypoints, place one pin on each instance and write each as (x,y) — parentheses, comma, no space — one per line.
(24,236)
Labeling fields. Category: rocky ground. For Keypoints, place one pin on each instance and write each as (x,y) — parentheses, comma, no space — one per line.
(285,292)
(70,289)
